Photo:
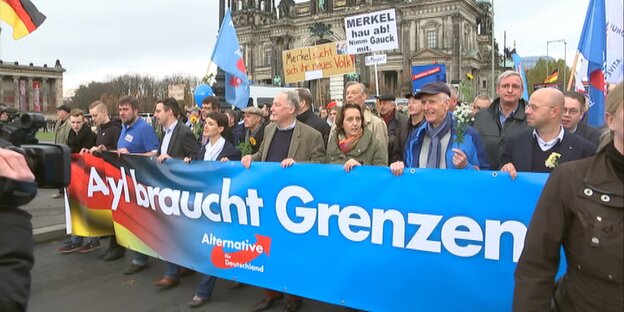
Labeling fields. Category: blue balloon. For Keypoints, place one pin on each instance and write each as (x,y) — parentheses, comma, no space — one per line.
(202,91)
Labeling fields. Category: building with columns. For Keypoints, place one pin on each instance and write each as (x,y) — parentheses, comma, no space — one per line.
(454,32)
(30,88)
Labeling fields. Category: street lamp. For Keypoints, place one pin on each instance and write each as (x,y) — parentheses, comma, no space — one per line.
(493,88)
(565,50)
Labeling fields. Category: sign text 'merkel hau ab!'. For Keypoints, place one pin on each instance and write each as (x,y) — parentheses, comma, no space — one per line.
(372,32)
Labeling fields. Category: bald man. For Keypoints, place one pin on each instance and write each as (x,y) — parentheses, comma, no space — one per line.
(547,145)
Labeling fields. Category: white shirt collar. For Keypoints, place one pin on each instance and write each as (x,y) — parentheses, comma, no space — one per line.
(291,126)
(546,145)
(171,127)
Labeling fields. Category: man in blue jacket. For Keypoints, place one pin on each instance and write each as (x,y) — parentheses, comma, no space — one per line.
(436,143)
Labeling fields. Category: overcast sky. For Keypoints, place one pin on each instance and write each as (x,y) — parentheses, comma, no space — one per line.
(96,40)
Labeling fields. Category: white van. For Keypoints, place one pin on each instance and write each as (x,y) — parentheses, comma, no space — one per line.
(264,94)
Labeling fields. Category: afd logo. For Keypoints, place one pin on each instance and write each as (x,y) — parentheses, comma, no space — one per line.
(242,252)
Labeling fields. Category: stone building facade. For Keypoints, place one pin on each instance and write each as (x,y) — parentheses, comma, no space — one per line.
(454,32)
(30,88)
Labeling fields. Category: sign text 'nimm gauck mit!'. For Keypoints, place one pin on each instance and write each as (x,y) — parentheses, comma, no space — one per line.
(372,32)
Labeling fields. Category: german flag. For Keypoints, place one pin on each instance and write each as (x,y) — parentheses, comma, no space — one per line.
(22,15)
(552,77)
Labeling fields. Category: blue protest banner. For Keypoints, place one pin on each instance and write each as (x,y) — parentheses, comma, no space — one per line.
(424,74)
(430,240)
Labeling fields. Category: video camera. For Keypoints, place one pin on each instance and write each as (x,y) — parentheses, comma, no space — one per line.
(50,163)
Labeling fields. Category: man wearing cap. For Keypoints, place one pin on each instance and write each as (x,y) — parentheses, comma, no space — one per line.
(254,127)
(193,120)
(356,93)
(308,117)
(504,118)
(435,143)
(62,128)
(396,123)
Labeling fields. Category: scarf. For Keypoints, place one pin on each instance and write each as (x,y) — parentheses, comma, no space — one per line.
(347,144)
(213,151)
(436,134)
(389,116)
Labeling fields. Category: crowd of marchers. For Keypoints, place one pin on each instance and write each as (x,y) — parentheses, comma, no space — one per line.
(581,207)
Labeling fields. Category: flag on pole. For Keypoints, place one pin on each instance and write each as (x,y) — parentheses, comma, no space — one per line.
(554,76)
(228,56)
(22,15)
(518,67)
(589,74)
(614,69)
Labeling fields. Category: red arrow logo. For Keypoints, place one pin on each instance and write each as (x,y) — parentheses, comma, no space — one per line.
(223,260)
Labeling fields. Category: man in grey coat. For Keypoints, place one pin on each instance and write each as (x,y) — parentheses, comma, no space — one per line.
(505,117)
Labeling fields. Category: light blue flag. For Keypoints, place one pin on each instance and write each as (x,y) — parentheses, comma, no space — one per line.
(520,69)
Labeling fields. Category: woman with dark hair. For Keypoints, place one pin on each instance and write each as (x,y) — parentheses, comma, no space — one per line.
(352,144)
(216,147)
(582,210)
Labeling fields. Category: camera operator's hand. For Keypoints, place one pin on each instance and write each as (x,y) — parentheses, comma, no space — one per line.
(13,166)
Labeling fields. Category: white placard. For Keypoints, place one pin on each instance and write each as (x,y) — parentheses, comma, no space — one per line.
(176,91)
(313,74)
(376,59)
(371,32)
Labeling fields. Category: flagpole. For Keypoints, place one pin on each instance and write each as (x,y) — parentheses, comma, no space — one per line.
(211,64)
(573,72)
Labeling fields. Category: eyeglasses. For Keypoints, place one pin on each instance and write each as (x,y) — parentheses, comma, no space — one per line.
(571,111)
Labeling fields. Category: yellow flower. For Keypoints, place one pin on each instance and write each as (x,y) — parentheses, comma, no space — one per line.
(193,119)
(252,141)
(553,160)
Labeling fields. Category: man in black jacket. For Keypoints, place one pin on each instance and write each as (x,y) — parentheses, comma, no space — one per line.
(572,116)
(80,137)
(396,122)
(178,142)
(106,140)
(504,118)
(107,130)
(308,117)
(548,145)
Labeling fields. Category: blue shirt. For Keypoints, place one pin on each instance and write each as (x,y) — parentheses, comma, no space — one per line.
(138,137)
(502,118)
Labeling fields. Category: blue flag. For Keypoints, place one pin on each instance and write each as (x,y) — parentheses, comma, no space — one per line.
(520,69)
(592,47)
(228,56)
